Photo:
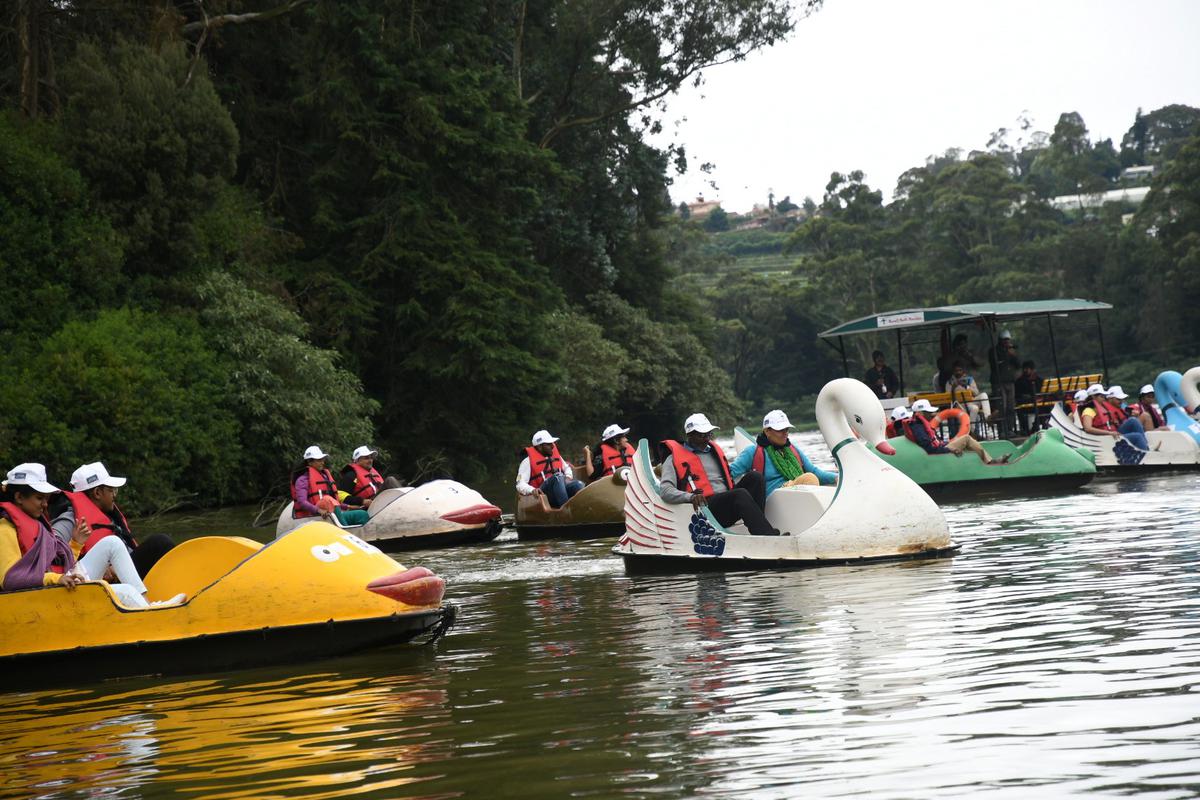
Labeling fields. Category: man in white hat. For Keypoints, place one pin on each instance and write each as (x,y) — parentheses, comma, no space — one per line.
(895,426)
(93,501)
(613,453)
(1149,413)
(315,493)
(361,481)
(1005,366)
(544,471)
(779,461)
(696,472)
(921,432)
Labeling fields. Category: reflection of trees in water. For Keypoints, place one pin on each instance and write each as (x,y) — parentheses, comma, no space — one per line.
(233,738)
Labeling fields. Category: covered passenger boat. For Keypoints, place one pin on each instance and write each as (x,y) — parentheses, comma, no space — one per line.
(434,514)
(317,592)
(874,513)
(597,510)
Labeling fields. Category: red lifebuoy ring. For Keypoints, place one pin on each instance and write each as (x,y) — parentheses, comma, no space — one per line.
(957,414)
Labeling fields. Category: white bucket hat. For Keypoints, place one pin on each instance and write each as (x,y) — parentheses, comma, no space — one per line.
(1095,389)
(1117,393)
(31,475)
(900,413)
(777,421)
(612,431)
(924,405)
(360,452)
(89,476)
(698,423)
(314,452)
(1005,334)
(543,437)
(1081,395)
(1147,389)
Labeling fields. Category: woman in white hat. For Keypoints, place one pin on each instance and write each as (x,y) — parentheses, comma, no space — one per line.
(315,493)
(613,453)
(1149,413)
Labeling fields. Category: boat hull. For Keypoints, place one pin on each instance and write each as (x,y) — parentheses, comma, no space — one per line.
(440,513)
(654,564)
(598,510)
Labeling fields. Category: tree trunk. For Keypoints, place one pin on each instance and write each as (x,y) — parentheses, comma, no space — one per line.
(28,24)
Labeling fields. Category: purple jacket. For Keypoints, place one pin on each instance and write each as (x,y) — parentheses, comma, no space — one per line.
(31,568)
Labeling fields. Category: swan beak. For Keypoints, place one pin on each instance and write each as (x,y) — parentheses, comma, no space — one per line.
(886,449)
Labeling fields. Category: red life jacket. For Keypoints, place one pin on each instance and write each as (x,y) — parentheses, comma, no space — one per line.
(929,429)
(758,461)
(542,468)
(1107,418)
(366,481)
(689,470)
(28,528)
(613,459)
(320,484)
(891,429)
(101,523)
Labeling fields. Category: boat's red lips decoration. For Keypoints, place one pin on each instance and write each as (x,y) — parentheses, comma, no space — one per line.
(886,449)
(415,587)
(473,515)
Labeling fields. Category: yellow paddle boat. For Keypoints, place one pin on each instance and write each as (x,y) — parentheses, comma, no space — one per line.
(319,591)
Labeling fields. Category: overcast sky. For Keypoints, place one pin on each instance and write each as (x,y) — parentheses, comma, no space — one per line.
(879,85)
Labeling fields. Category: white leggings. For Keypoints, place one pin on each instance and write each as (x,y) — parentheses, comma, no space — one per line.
(111,553)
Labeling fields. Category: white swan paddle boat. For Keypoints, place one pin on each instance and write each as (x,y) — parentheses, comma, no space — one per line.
(875,512)
(1174,447)
(434,514)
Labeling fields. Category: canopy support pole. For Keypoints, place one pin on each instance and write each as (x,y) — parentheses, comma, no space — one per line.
(1054,353)
(1103,355)
(900,358)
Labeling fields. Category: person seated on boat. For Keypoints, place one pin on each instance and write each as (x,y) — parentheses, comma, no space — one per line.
(94,501)
(963,388)
(1005,365)
(1025,392)
(315,493)
(1101,418)
(881,378)
(959,353)
(920,431)
(1148,412)
(544,471)
(895,425)
(779,461)
(1079,400)
(31,555)
(696,472)
(359,481)
(613,453)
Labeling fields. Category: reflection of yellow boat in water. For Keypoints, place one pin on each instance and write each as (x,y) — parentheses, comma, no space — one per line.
(317,592)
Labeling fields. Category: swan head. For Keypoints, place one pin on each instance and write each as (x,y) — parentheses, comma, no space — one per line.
(1168,388)
(861,410)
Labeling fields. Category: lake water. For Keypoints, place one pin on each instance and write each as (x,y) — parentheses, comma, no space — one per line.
(1058,654)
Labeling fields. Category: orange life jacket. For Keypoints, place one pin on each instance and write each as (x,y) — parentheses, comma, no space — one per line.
(366,481)
(28,528)
(101,523)
(613,459)
(758,461)
(1107,418)
(542,468)
(320,484)
(689,469)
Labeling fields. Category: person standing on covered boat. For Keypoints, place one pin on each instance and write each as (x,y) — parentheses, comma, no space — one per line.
(779,461)
(696,472)
(613,453)
(545,471)
(315,493)
(32,556)
(94,500)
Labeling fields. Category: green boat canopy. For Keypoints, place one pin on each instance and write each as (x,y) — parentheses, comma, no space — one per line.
(944,315)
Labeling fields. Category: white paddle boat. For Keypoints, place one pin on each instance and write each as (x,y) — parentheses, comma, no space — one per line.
(433,514)
(875,512)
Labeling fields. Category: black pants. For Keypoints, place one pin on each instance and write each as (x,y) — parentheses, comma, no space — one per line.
(149,551)
(745,501)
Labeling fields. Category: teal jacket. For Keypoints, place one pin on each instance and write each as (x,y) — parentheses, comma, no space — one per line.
(741,465)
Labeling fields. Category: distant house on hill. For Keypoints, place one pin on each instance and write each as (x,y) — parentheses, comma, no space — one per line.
(1140,174)
(702,208)
(1133,195)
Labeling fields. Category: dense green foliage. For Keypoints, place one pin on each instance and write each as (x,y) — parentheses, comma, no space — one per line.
(435,227)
